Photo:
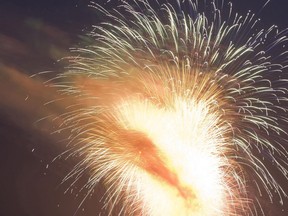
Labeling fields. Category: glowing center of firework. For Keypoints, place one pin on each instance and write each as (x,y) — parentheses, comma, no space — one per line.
(180,172)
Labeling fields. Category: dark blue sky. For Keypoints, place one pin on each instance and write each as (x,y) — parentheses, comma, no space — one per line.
(68,11)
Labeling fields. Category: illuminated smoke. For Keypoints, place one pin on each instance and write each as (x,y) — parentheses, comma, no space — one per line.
(179,110)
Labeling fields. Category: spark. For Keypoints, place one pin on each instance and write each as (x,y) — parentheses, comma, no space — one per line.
(175,107)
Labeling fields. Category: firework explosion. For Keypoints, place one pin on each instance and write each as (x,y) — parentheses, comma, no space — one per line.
(179,109)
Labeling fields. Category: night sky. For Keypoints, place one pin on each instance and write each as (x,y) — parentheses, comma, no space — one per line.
(34,35)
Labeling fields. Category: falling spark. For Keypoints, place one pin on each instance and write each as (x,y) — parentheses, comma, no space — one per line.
(179,109)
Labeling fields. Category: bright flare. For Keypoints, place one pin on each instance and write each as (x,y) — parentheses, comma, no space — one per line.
(188,140)
(178,110)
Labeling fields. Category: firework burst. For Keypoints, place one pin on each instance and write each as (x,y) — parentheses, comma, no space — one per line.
(179,109)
